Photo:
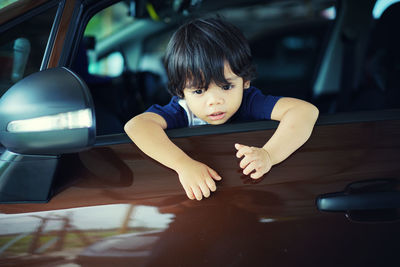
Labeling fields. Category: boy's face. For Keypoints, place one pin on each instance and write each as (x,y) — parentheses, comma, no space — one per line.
(217,105)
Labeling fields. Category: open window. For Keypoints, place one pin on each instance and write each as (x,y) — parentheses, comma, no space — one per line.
(302,51)
(121,53)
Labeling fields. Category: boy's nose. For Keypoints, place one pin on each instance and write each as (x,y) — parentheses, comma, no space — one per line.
(214,98)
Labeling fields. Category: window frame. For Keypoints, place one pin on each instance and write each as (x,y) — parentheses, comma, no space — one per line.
(324,119)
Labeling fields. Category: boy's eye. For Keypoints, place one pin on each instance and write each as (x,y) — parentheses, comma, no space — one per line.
(227,87)
(198,91)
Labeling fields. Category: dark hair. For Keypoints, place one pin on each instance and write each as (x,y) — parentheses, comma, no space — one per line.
(198,51)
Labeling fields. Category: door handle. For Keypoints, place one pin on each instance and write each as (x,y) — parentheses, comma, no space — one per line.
(365,201)
(343,201)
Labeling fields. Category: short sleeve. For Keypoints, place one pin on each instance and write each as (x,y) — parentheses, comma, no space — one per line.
(256,105)
(173,113)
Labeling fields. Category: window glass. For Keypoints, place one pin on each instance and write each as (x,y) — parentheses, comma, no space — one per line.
(22,48)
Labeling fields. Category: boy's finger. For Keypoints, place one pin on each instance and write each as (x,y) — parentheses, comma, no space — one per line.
(214,174)
(243,150)
(197,192)
(189,193)
(256,175)
(205,190)
(249,168)
(244,162)
(238,146)
(211,184)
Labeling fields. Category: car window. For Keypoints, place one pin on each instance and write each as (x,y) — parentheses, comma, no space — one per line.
(22,47)
(125,52)
(288,40)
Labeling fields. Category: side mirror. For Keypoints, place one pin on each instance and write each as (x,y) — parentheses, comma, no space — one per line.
(44,115)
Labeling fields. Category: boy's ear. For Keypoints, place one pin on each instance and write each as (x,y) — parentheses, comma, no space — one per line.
(246,85)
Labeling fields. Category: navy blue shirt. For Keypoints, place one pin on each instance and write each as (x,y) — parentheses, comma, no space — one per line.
(255,106)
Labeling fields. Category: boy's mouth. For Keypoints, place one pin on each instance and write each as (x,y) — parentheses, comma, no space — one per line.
(217,115)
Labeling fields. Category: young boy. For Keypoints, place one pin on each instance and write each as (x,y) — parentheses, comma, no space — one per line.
(209,66)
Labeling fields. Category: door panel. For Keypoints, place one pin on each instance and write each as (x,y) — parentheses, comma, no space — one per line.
(270,221)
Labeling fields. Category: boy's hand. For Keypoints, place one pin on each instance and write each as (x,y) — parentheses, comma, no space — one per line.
(197,179)
(255,159)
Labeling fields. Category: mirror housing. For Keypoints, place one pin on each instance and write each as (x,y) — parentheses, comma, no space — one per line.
(42,116)
(31,109)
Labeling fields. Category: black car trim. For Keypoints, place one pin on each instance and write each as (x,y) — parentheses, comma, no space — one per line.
(71,37)
(75,32)
(324,119)
(52,36)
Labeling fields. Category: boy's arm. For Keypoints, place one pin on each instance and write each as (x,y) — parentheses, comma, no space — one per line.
(147,132)
(297,119)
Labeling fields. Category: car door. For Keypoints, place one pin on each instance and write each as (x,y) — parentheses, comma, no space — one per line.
(333,202)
